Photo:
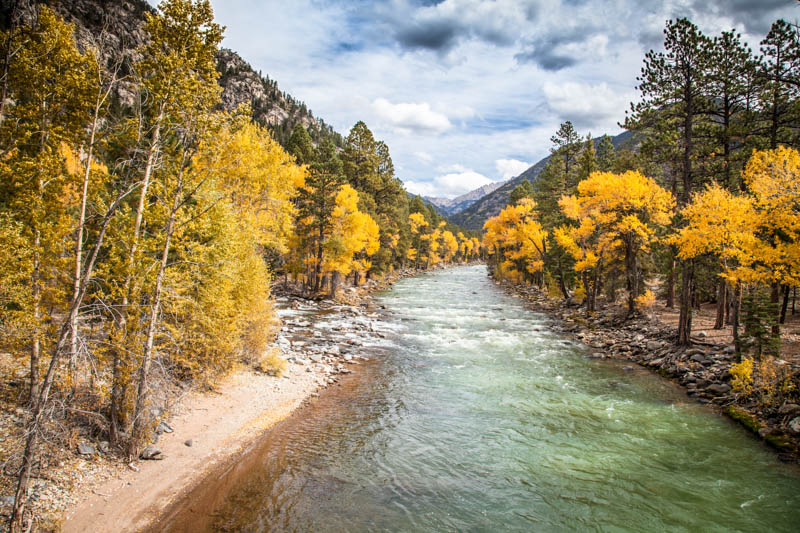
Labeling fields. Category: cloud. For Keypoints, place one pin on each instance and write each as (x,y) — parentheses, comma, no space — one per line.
(411,118)
(425,157)
(449,185)
(559,50)
(511,168)
(584,104)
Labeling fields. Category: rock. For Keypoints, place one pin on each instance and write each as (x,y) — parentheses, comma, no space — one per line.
(151,453)
(702,359)
(627,368)
(695,351)
(701,334)
(85,449)
(789,409)
(596,355)
(163,427)
(189,443)
(794,426)
(718,389)
(653,345)
(104,446)
(7,501)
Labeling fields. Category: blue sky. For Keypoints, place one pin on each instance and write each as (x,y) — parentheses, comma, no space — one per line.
(466,92)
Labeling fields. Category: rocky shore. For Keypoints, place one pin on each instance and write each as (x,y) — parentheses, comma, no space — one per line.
(702,369)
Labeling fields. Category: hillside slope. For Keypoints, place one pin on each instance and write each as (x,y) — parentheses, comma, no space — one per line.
(474,216)
(121,22)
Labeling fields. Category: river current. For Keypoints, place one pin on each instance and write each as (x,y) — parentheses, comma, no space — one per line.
(476,416)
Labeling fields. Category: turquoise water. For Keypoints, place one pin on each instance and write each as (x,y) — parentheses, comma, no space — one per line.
(476,417)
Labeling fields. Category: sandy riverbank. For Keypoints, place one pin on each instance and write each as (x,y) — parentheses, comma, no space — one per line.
(219,424)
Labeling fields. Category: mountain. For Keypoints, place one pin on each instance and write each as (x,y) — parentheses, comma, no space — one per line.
(474,216)
(122,24)
(451,206)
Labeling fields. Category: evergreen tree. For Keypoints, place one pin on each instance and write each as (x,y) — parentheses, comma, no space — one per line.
(606,154)
(673,88)
(523,190)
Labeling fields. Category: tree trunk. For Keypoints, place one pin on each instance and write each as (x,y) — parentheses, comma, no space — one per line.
(155,311)
(722,304)
(737,305)
(78,265)
(36,293)
(631,277)
(687,293)
(785,304)
(671,284)
(37,409)
(119,357)
(775,298)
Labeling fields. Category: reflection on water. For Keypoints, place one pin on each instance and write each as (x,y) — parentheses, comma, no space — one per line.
(478,418)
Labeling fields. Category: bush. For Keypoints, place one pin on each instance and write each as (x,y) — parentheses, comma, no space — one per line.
(271,362)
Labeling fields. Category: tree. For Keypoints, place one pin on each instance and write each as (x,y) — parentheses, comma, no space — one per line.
(673,87)
(523,190)
(606,154)
(317,200)
(626,210)
(566,145)
(723,225)
(517,241)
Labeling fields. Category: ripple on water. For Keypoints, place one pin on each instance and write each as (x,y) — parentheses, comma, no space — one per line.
(479,418)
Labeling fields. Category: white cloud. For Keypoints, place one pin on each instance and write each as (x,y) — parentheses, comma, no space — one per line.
(511,168)
(449,185)
(425,157)
(585,104)
(408,117)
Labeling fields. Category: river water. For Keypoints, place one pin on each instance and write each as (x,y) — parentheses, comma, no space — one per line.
(475,416)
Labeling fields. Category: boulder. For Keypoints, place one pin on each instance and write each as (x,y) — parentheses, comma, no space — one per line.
(794,425)
(163,427)
(718,389)
(85,449)
(151,453)
(789,409)
(653,345)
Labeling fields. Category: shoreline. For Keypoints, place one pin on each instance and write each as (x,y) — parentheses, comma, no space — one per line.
(701,370)
(212,431)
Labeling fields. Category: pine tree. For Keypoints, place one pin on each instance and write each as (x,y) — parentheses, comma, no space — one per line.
(673,85)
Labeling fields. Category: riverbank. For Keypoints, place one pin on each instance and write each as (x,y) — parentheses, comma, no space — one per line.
(207,430)
(703,369)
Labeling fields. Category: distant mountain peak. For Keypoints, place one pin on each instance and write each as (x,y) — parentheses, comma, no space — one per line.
(451,206)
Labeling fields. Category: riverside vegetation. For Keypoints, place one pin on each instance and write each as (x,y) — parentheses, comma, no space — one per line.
(140,241)
(709,205)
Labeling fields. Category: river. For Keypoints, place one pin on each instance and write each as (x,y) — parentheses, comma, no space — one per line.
(475,416)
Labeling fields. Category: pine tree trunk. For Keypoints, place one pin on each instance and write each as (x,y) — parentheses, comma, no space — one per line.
(687,293)
(735,312)
(671,285)
(774,299)
(785,304)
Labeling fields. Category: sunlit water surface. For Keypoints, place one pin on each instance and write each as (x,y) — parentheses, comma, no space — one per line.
(477,417)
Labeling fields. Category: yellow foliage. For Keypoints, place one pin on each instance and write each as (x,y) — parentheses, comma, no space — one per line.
(353,232)
(742,373)
(519,237)
(646,300)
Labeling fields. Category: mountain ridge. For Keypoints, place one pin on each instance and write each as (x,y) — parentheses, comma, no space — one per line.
(452,206)
(474,216)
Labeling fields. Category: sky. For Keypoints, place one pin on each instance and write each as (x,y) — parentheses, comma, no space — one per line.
(466,92)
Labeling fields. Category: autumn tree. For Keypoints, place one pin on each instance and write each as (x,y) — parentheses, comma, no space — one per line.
(626,210)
